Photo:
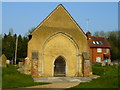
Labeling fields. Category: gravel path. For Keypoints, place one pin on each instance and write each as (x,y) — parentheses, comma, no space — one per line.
(57,85)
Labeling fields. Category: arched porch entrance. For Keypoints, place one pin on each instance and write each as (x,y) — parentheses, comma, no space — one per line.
(60,67)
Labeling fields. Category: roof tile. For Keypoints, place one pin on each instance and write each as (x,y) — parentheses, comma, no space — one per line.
(104,41)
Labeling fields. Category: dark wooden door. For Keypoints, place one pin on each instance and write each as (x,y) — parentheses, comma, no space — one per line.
(59,67)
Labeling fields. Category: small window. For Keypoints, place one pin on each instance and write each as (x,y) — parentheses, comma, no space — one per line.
(101,42)
(98,59)
(107,50)
(99,50)
(97,42)
(94,42)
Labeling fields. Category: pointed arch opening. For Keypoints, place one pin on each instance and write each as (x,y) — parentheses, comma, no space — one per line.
(60,67)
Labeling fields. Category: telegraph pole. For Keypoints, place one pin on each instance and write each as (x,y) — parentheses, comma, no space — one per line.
(16,50)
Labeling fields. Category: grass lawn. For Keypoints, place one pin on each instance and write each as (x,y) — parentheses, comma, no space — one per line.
(11,78)
(108,79)
(0,77)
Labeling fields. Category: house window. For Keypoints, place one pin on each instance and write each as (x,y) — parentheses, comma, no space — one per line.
(101,42)
(97,42)
(99,50)
(94,42)
(98,59)
(107,50)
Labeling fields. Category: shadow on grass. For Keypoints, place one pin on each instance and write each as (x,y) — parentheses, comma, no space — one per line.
(11,78)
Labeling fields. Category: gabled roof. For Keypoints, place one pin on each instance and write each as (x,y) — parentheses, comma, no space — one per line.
(58,15)
(94,41)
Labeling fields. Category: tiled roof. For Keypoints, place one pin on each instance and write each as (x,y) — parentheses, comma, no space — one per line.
(95,41)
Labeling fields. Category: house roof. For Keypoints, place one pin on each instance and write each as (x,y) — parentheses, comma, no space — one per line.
(101,42)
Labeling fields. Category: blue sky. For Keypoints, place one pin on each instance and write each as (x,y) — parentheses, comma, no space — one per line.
(22,16)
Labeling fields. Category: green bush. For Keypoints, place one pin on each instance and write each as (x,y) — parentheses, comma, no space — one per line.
(99,70)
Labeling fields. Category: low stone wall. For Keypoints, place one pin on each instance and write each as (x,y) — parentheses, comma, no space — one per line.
(25,67)
(107,63)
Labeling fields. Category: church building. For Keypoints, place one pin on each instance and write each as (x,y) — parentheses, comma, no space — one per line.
(58,47)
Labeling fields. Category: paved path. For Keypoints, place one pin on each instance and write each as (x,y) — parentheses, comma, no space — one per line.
(57,85)
(62,82)
(64,79)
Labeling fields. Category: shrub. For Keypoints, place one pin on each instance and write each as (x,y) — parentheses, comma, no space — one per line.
(99,70)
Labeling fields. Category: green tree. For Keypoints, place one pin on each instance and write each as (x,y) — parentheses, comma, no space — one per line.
(24,47)
(114,41)
(19,47)
(101,34)
(0,44)
(9,44)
